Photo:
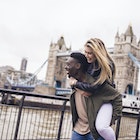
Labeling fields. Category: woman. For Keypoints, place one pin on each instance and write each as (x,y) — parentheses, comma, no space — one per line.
(102,68)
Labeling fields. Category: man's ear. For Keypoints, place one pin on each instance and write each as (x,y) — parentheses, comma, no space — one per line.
(78,65)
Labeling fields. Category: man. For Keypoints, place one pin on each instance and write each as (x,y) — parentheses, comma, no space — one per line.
(85,107)
(76,66)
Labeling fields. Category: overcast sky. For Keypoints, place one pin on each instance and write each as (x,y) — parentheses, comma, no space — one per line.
(27,27)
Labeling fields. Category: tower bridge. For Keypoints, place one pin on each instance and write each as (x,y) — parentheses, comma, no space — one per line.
(63,54)
(126,47)
(126,79)
(126,55)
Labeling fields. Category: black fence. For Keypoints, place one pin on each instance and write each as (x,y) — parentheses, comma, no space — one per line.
(26,115)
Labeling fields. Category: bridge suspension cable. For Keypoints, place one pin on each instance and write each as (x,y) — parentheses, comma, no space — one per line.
(35,73)
(29,79)
(137,64)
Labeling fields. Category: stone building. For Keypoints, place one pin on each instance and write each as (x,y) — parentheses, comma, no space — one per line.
(4,72)
(56,75)
(23,64)
(126,73)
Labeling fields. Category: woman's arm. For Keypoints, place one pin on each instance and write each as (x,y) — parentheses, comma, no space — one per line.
(83,85)
(87,87)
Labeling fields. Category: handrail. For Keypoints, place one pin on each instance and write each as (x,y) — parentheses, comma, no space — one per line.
(63,110)
(9,91)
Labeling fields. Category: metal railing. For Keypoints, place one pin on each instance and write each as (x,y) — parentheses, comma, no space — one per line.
(45,117)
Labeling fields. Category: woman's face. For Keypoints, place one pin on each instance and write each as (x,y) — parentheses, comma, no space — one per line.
(89,54)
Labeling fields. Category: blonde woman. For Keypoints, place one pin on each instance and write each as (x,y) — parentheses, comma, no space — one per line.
(108,104)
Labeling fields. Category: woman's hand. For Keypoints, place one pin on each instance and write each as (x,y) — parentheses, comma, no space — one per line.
(72,82)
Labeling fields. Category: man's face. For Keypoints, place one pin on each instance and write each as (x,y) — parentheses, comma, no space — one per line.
(72,67)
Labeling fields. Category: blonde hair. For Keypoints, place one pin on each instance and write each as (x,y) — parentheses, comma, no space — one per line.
(104,60)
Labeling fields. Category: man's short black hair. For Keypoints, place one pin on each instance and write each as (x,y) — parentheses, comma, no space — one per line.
(81,59)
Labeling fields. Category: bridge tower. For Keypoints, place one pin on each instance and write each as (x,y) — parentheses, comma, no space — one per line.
(127,71)
(56,74)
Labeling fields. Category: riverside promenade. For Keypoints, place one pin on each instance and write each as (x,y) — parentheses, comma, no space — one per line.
(42,117)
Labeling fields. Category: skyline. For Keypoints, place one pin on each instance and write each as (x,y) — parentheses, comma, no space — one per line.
(28,27)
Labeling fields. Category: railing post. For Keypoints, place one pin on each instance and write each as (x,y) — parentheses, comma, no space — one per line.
(118,128)
(19,117)
(61,120)
(137,127)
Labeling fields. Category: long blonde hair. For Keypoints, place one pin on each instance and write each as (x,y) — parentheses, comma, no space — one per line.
(104,60)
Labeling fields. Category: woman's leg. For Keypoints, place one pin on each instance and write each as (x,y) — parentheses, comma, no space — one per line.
(103,120)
